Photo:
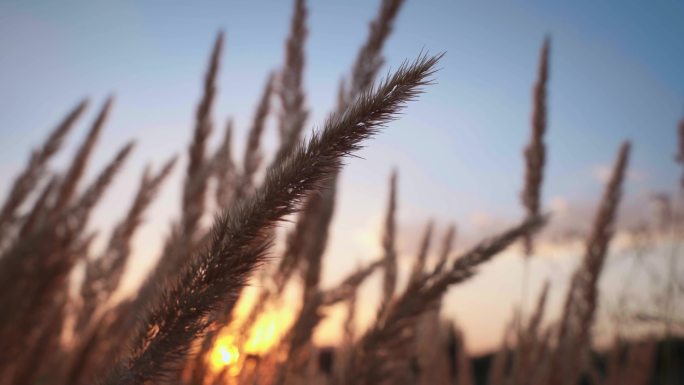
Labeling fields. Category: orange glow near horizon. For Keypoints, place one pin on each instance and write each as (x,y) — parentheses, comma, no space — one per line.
(267,331)
(225,353)
(229,352)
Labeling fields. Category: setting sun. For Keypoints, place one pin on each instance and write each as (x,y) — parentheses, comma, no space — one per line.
(225,353)
(229,352)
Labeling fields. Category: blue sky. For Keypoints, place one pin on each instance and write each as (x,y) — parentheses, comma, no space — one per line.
(615,75)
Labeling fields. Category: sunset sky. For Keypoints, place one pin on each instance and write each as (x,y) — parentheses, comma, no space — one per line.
(616,74)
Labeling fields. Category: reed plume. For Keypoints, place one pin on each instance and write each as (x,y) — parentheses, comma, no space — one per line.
(292,117)
(25,268)
(241,235)
(368,62)
(92,195)
(253,157)
(350,319)
(198,169)
(581,300)
(535,152)
(35,358)
(349,335)
(528,347)
(447,245)
(40,207)
(288,263)
(319,210)
(35,269)
(29,178)
(320,207)
(80,161)
(369,59)
(298,338)
(183,241)
(419,265)
(224,169)
(102,275)
(378,354)
(389,279)
(349,286)
(290,92)
(314,221)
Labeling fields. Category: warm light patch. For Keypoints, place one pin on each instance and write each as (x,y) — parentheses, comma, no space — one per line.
(229,352)
(225,353)
(267,331)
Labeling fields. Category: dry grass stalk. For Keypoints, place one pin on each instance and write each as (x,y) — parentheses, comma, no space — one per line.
(92,195)
(389,280)
(296,242)
(349,286)
(241,235)
(311,235)
(380,352)
(29,178)
(528,343)
(198,169)
(224,169)
(253,157)
(350,319)
(447,245)
(543,356)
(581,301)
(291,93)
(342,361)
(100,344)
(432,362)
(291,122)
(535,152)
(40,359)
(80,160)
(534,325)
(320,207)
(57,234)
(40,207)
(369,59)
(286,266)
(418,269)
(183,240)
(319,210)
(102,275)
(368,62)
(297,340)
(35,270)
(36,357)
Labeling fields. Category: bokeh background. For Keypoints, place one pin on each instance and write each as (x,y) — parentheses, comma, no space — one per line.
(616,73)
